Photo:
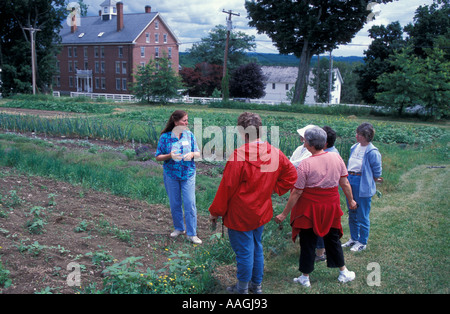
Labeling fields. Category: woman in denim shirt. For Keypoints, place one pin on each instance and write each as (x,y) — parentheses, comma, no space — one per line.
(177,147)
(364,169)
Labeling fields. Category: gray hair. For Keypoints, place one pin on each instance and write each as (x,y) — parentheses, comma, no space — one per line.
(316,137)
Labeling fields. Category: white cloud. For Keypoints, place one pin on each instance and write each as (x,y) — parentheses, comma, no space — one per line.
(192,19)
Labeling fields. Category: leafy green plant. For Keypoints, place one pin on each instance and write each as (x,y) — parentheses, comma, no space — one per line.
(5,280)
(52,199)
(100,257)
(11,199)
(37,224)
(81,227)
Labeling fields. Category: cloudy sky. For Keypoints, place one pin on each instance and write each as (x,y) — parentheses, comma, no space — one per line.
(192,19)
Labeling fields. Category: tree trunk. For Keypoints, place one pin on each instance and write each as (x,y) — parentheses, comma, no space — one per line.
(303,71)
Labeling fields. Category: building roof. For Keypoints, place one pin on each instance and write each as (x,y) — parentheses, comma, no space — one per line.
(280,74)
(91,27)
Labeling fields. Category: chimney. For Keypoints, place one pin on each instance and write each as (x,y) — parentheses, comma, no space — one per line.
(148,9)
(120,25)
(73,25)
(100,13)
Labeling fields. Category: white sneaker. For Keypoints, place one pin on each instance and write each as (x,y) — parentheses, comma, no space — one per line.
(349,243)
(303,280)
(346,276)
(358,247)
(176,233)
(194,239)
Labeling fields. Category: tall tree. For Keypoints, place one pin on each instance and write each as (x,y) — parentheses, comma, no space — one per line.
(156,81)
(401,88)
(431,26)
(307,28)
(15,42)
(211,49)
(386,40)
(417,81)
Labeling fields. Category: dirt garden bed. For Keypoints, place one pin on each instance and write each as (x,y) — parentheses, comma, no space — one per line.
(79,224)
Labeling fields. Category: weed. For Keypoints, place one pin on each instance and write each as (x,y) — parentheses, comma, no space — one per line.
(5,280)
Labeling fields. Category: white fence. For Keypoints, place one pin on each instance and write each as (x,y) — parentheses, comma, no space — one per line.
(188,100)
(114,97)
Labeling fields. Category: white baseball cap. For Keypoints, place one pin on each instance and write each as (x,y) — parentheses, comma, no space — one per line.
(302,130)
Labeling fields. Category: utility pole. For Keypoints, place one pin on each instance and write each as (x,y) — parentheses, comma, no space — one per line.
(318,79)
(33,57)
(330,78)
(229,27)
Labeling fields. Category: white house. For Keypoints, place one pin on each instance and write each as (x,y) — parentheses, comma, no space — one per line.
(281,79)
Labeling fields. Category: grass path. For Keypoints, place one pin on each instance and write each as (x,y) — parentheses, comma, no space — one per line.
(409,241)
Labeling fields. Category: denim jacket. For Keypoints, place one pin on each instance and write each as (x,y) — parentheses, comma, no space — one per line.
(371,168)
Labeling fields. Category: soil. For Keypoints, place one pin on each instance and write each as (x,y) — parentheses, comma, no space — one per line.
(37,262)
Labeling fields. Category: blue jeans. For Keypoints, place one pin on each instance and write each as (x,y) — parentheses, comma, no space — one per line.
(358,219)
(249,254)
(182,194)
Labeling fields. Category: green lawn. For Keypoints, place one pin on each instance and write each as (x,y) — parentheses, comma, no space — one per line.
(409,240)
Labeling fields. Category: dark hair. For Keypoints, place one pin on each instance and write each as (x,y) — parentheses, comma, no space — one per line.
(177,115)
(316,137)
(248,119)
(366,130)
(331,136)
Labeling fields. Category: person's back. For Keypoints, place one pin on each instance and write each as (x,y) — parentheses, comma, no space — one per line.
(321,171)
(252,174)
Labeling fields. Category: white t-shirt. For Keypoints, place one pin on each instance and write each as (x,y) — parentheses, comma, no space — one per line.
(355,161)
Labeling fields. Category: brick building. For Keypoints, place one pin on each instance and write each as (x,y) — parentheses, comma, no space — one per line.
(100,53)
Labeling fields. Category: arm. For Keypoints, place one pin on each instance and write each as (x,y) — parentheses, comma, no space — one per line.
(195,151)
(347,189)
(191,155)
(293,198)
(228,186)
(375,164)
(172,155)
(287,178)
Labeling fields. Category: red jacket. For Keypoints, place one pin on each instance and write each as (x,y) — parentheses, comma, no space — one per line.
(252,174)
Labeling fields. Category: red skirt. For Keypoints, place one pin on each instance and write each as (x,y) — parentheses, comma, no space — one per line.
(319,209)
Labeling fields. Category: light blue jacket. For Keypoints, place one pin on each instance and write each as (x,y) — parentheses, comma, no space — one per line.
(371,168)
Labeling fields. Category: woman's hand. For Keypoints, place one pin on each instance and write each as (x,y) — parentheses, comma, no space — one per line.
(175,156)
(279,218)
(188,156)
(352,205)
